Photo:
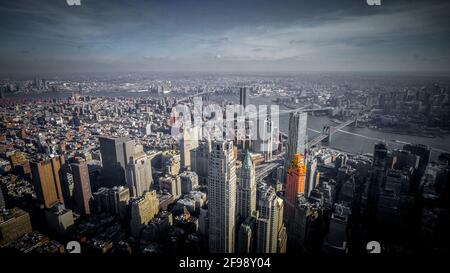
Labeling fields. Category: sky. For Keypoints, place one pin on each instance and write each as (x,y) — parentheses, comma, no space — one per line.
(50,36)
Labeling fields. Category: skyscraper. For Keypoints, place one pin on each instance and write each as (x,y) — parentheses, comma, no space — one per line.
(116,153)
(297,138)
(188,143)
(380,155)
(244,93)
(303,226)
(267,141)
(271,233)
(247,235)
(200,160)
(246,199)
(378,173)
(421,150)
(139,173)
(82,187)
(47,176)
(295,184)
(311,174)
(222,197)
(336,239)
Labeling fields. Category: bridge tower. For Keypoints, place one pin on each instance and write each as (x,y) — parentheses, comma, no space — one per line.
(355,124)
(326,131)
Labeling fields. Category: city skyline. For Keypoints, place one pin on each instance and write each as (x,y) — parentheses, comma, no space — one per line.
(191,128)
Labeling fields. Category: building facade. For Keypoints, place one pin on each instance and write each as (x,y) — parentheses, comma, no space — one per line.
(47,179)
(222,198)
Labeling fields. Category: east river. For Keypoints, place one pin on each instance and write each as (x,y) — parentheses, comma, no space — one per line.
(351,140)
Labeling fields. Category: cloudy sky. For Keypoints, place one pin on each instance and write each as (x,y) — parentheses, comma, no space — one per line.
(225,35)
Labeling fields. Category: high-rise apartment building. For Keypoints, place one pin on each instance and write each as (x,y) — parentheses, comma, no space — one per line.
(295,184)
(297,138)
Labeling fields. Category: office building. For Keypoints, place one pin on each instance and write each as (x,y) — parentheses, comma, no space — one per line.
(20,163)
(2,200)
(59,218)
(188,142)
(171,184)
(380,163)
(423,151)
(116,153)
(271,232)
(112,200)
(336,241)
(247,235)
(222,198)
(14,223)
(171,163)
(189,182)
(246,198)
(47,179)
(295,184)
(244,94)
(200,160)
(305,226)
(82,187)
(139,173)
(297,138)
(312,176)
(203,221)
(143,209)
(268,134)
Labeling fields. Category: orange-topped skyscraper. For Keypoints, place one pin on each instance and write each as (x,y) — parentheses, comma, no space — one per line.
(295,184)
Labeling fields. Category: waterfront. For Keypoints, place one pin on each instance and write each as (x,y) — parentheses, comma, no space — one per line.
(352,140)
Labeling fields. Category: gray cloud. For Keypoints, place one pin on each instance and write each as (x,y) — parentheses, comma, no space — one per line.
(226,35)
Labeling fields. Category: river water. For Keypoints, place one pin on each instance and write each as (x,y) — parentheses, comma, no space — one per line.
(353,140)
